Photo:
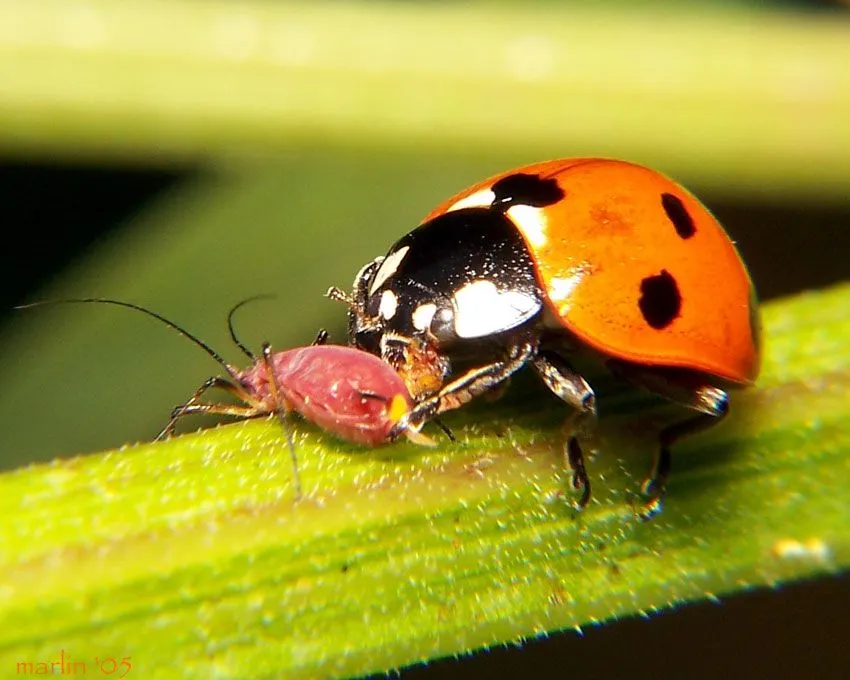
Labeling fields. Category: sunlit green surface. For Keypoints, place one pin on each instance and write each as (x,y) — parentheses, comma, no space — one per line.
(191,557)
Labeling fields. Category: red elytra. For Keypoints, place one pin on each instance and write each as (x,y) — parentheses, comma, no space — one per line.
(617,225)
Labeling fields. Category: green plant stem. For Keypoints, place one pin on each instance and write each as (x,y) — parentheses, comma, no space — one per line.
(191,558)
(763,95)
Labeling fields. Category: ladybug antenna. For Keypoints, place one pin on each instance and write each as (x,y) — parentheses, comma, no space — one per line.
(339,295)
(247,352)
(232,372)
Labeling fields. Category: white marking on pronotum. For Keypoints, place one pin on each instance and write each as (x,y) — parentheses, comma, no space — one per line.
(388,268)
(531,222)
(482,309)
(480,199)
(423,315)
(389,304)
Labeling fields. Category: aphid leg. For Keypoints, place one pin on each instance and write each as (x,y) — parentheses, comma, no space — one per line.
(280,409)
(194,406)
(569,386)
(321,337)
(685,389)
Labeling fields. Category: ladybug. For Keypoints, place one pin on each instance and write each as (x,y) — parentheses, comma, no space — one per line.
(556,264)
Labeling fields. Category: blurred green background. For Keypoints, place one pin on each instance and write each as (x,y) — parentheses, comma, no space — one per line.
(185,155)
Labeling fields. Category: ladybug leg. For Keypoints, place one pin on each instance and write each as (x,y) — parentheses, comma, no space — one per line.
(711,404)
(474,382)
(477,381)
(569,386)
(654,487)
(446,430)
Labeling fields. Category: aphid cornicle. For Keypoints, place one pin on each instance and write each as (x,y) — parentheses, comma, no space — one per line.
(536,265)
(349,393)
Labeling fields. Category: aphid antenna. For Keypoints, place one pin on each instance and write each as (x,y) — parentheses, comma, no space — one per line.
(231,371)
(274,386)
(247,352)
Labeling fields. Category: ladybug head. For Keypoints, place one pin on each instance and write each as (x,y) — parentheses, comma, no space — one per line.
(461,276)
(364,331)
(386,308)
(410,350)
(459,281)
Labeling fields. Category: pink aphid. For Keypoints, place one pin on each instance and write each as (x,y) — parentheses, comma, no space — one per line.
(347,392)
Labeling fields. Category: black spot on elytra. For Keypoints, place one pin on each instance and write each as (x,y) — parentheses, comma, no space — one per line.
(678,215)
(660,301)
(522,189)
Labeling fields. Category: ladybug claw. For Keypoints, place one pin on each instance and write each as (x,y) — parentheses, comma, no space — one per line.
(577,482)
(650,488)
(650,509)
(653,491)
(580,480)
